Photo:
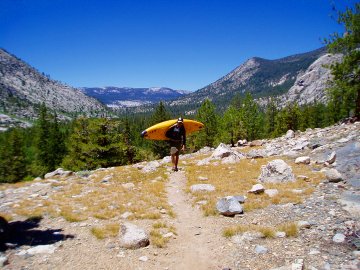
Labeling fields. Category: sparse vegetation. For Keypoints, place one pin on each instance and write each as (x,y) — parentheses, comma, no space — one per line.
(237,179)
(289,228)
(109,230)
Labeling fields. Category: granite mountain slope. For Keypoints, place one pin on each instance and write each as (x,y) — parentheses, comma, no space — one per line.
(23,89)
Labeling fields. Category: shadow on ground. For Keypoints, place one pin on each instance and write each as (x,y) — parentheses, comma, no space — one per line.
(19,233)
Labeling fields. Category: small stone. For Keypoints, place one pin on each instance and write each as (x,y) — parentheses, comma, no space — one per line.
(202,178)
(143,259)
(202,188)
(303,224)
(261,250)
(339,238)
(280,234)
(314,252)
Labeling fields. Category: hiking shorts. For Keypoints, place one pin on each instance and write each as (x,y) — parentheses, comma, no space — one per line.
(175,147)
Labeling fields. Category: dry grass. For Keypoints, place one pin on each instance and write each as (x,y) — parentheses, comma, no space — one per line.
(157,234)
(289,228)
(78,198)
(237,179)
(109,230)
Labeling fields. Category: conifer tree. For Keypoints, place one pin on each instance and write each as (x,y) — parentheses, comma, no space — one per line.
(206,114)
(251,118)
(345,94)
(160,148)
(12,158)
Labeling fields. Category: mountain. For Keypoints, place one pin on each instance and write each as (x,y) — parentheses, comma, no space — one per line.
(262,78)
(23,89)
(120,97)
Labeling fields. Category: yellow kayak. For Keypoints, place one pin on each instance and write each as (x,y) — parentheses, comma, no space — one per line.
(158,131)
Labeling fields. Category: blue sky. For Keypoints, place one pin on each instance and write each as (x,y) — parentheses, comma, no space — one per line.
(145,43)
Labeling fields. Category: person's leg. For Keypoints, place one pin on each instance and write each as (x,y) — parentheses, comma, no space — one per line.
(173,161)
(176,160)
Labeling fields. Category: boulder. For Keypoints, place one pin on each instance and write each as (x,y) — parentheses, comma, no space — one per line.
(242,142)
(302,160)
(151,166)
(229,206)
(133,237)
(202,188)
(41,249)
(222,151)
(276,171)
(331,158)
(333,175)
(290,134)
(58,172)
(256,143)
(257,189)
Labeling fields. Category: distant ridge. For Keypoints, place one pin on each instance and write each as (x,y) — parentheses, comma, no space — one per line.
(122,97)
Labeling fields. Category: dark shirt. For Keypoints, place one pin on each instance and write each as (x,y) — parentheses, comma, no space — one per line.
(177,133)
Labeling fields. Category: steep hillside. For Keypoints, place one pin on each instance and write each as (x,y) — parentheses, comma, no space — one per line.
(261,77)
(122,97)
(23,89)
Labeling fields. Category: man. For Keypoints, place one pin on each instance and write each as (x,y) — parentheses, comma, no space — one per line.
(177,137)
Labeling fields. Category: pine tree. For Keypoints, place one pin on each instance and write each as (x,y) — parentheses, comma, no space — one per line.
(12,158)
(95,143)
(345,94)
(270,116)
(251,118)
(160,148)
(206,114)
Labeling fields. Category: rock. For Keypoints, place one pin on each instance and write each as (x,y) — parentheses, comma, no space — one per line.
(256,143)
(58,172)
(202,188)
(260,249)
(240,198)
(202,178)
(242,142)
(205,161)
(260,153)
(257,189)
(303,224)
(280,234)
(333,175)
(298,264)
(229,206)
(276,171)
(271,192)
(151,166)
(133,237)
(339,238)
(3,260)
(143,259)
(222,151)
(331,158)
(302,160)
(128,186)
(41,249)
(126,215)
(289,134)
(233,158)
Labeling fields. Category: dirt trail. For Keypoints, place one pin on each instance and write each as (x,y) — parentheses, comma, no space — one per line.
(198,237)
